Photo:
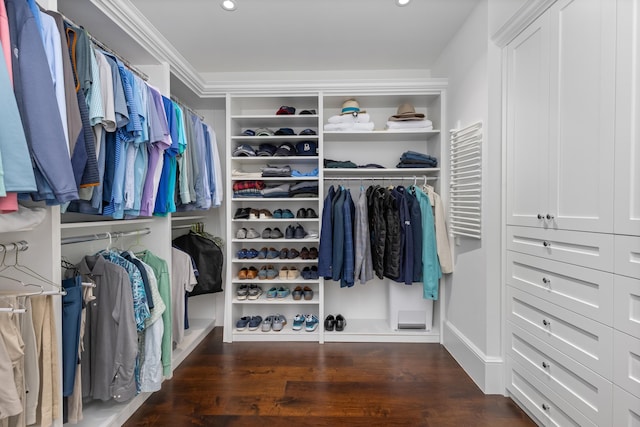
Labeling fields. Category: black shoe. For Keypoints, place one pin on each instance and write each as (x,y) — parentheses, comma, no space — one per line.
(302,213)
(311,213)
(329,323)
(340,322)
(242,213)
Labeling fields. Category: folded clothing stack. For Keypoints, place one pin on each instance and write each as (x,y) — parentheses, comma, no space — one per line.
(406,119)
(248,188)
(413,159)
(277,171)
(281,190)
(304,189)
(351,119)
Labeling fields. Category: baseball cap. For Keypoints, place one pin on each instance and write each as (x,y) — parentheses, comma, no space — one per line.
(284,110)
(308,112)
(244,150)
(248,132)
(285,131)
(285,149)
(308,132)
(264,132)
(307,148)
(266,150)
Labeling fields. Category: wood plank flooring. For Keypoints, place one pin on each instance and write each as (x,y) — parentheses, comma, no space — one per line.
(331,384)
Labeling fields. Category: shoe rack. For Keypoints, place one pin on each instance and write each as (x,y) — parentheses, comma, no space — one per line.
(273,241)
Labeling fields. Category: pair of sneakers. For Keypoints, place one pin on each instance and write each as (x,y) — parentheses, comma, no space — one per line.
(297,232)
(249,322)
(249,291)
(250,233)
(309,321)
(274,322)
(269,233)
(306,213)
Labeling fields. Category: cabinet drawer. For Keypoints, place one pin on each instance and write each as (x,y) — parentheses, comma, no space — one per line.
(545,405)
(627,256)
(593,250)
(581,387)
(626,409)
(585,340)
(585,291)
(626,362)
(626,295)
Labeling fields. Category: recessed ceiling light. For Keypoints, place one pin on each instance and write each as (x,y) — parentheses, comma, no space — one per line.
(402,2)
(229,5)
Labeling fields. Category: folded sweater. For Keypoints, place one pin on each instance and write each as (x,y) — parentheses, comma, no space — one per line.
(349,127)
(350,118)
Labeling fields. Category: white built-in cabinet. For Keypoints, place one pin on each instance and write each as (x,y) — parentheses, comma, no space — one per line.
(371,309)
(572,239)
(560,111)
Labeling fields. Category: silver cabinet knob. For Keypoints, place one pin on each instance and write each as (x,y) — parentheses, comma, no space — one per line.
(546,281)
(545,322)
(545,365)
(545,407)
(540,216)
(550,217)
(546,244)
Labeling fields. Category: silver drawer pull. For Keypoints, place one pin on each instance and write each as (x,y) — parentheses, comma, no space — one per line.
(546,281)
(550,217)
(546,244)
(545,322)
(540,216)
(545,407)
(545,365)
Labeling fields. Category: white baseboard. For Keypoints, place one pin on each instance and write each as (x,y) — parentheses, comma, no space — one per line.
(486,371)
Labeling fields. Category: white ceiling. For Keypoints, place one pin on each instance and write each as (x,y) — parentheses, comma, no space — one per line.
(307,35)
(267,40)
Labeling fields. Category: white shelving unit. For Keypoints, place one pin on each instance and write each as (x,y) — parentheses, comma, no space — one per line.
(255,112)
(371,310)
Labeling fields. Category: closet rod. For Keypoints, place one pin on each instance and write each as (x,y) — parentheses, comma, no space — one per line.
(178,227)
(103,46)
(22,245)
(183,105)
(379,178)
(104,236)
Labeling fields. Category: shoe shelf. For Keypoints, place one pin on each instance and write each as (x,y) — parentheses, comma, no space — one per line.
(275,199)
(285,301)
(378,330)
(277,220)
(274,159)
(273,261)
(274,122)
(286,334)
(297,281)
(314,240)
(276,178)
(378,135)
(376,172)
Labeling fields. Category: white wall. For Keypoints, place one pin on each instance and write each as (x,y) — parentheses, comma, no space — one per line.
(464,63)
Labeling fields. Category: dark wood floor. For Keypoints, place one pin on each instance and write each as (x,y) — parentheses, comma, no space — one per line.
(331,384)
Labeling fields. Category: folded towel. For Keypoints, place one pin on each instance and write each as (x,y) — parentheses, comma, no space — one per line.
(350,118)
(409,124)
(349,127)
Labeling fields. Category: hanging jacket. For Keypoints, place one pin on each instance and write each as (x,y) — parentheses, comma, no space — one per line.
(393,243)
(377,227)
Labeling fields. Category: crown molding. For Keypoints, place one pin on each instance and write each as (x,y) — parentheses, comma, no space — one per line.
(520,20)
(328,87)
(133,22)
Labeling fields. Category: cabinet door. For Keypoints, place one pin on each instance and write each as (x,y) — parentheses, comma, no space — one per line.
(582,62)
(527,124)
(627,151)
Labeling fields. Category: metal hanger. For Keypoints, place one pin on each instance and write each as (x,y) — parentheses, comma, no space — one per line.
(23,269)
